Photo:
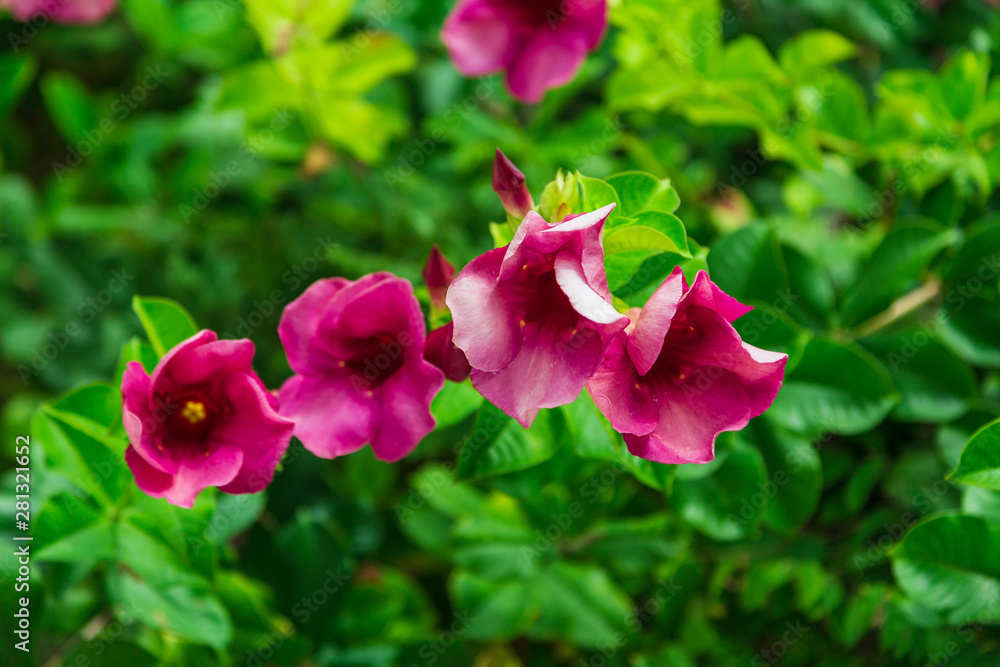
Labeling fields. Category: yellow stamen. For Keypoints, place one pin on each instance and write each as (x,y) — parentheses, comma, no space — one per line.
(194,412)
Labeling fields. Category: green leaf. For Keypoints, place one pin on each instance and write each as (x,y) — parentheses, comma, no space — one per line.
(502,611)
(980,462)
(747,265)
(579,604)
(166,322)
(795,475)
(598,194)
(836,387)
(726,499)
(594,438)
(192,614)
(933,384)
(16,73)
(631,243)
(896,265)
(951,564)
(812,50)
(280,22)
(139,350)
(639,191)
(71,107)
(83,439)
(963,82)
(499,445)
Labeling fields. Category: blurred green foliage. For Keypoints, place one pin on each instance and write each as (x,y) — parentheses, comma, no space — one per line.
(833,163)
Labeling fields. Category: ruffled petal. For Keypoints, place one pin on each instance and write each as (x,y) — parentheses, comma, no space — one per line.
(618,395)
(299,323)
(706,293)
(404,404)
(646,341)
(217,469)
(153,482)
(375,304)
(583,298)
(692,414)
(551,59)
(332,416)
(144,421)
(717,343)
(198,364)
(257,429)
(550,370)
(484,326)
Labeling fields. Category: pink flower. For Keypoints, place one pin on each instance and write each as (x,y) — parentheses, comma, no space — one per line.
(539,43)
(441,351)
(202,419)
(438,273)
(682,375)
(509,183)
(535,318)
(61,11)
(357,350)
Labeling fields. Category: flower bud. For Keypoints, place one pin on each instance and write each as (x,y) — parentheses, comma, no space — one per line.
(438,274)
(509,183)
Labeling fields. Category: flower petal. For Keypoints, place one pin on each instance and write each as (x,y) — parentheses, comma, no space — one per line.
(692,414)
(257,429)
(217,469)
(646,340)
(587,302)
(706,293)
(484,327)
(143,422)
(299,323)
(618,395)
(550,370)
(404,403)
(480,39)
(549,60)
(332,417)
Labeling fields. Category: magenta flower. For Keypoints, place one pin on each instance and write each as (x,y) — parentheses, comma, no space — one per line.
(682,375)
(202,419)
(539,43)
(438,273)
(61,11)
(535,318)
(357,349)
(441,351)
(509,183)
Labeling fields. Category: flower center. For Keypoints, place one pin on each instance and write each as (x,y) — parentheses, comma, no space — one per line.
(194,412)
(548,12)
(189,420)
(375,360)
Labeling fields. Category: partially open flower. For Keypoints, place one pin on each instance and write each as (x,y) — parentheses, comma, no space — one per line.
(541,44)
(535,317)
(511,186)
(441,351)
(438,273)
(61,11)
(202,419)
(357,349)
(682,375)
